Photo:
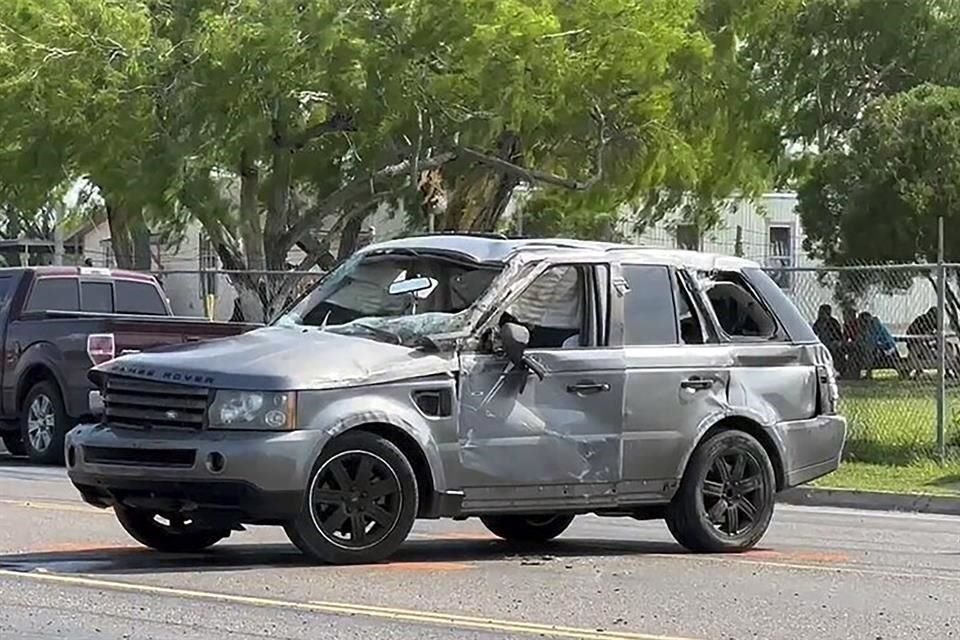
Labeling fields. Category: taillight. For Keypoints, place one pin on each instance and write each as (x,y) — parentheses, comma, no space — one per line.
(101,347)
(828,390)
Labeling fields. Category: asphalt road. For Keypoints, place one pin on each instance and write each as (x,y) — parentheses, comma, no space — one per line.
(69,571)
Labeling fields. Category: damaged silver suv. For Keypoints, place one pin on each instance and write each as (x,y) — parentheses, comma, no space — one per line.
(523,382)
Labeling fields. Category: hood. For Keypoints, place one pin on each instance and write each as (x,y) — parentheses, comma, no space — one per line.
(281,359)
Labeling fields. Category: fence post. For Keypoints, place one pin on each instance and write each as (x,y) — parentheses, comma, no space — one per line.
(941,346)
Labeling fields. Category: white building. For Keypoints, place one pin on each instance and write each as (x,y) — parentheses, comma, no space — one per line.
(769,232)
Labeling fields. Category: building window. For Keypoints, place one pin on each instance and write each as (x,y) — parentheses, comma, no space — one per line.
(780,256)
(688,237)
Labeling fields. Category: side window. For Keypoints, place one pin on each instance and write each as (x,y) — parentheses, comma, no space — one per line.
(649,317)
(54,294)
(740,314)
(140,298)
(552,308)
(96,296)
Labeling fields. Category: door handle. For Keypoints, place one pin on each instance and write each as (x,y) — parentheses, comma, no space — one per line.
(588,388)
(697,384)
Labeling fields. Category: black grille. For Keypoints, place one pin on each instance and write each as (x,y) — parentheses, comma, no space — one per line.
(141,404)
(149,457)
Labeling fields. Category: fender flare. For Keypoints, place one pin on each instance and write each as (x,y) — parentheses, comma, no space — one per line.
(737,413)
(346,415)
(40,355)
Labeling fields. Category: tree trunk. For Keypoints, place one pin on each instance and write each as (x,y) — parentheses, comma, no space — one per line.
(140,236)
(118,219)
(251,230)
(349,236)
(481,195)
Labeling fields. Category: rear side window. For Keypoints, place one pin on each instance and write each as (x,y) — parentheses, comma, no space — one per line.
(796,326)
(140,298)
(97,296)
(54,294)
(649,316)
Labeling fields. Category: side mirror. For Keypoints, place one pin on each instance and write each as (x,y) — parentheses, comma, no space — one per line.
(515,339)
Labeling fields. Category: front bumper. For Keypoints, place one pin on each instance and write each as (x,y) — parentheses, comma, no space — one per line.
(254,475)
(812,448)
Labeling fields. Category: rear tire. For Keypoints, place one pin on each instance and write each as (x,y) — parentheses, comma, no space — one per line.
(44,424)
(523,528)
(175,537)
(361,502)
(726,498)
(13,443)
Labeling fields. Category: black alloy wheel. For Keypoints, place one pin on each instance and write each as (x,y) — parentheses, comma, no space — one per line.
(361,502)
(726,498)
(356,499)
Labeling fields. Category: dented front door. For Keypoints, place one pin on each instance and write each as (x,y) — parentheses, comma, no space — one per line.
(518,430)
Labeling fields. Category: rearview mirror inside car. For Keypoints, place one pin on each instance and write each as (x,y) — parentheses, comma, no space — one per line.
(420,287)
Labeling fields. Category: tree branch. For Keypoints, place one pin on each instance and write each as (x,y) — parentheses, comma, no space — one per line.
(338,123)
(533,175)
(337,199)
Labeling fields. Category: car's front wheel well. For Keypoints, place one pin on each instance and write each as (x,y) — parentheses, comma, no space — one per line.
(754,429)
(414,454)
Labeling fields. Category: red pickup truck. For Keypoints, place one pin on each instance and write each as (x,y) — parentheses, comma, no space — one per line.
(55,323)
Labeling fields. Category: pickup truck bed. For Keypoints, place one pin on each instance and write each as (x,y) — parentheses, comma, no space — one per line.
(48,351)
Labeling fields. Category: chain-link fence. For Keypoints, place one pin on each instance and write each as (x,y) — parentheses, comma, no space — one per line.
(881,325)
(883,329)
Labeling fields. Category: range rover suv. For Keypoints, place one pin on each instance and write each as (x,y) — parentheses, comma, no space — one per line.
(522,382)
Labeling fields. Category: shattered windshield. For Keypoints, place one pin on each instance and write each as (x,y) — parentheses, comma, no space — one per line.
(394,297)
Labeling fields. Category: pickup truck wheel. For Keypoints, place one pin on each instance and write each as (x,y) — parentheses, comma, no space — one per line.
(44,423)
(173,534)
(527,528)
(726,498)
(360,504)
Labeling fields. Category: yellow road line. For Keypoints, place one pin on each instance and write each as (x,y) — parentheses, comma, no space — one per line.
(335,608)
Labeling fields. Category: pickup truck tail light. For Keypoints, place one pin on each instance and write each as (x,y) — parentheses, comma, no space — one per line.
(101,347)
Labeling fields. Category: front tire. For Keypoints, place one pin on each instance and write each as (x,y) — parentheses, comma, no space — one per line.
(515,528)
(726,498)
(176,535)
(361,502)
(44,423)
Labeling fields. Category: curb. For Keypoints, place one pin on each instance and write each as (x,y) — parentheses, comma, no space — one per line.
(870,500)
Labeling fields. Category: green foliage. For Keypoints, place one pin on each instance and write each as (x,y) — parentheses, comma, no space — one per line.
(880,198)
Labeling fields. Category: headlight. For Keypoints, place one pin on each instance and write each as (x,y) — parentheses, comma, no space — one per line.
(253,410)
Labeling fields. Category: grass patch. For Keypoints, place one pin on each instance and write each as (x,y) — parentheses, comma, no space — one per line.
(921,477)
(893,422)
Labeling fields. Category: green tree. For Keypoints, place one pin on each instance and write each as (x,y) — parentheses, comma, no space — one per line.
(879,199)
